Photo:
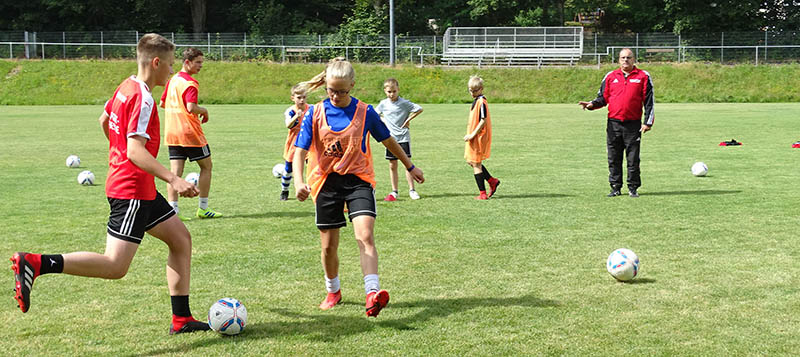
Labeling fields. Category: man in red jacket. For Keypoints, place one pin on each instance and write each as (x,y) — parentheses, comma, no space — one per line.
(626,91)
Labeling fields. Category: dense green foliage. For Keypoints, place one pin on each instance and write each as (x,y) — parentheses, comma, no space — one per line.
(92,82)
(520,274)
(412,17)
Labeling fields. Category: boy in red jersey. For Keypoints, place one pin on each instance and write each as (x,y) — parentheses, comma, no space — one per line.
(183,134)
(130,122)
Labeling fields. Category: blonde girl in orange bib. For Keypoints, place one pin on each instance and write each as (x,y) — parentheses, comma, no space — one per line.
(334,135)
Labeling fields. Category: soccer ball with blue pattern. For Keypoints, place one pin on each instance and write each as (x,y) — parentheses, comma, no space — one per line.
(623,264)
(227,316)
(86,178)
(73,161)
(193,178)
(277,170)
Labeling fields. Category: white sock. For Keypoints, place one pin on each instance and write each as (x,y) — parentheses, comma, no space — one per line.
(174,205)
(332,285)
(371,283)
(285,180)
(203,202)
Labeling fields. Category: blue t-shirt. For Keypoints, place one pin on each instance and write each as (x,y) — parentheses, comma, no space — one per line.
(338,119)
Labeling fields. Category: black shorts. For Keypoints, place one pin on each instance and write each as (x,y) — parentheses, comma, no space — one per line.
(338,190)
(129,219)
(187,152)
(406,148)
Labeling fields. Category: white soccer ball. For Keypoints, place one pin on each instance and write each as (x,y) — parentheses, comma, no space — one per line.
(193,178)
(73,161)
(699,169)
(227,316)
(623,264)
(277,170)
(86,178)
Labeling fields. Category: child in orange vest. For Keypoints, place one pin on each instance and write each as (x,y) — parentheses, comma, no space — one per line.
(293,116)
(335,137)
(478,140)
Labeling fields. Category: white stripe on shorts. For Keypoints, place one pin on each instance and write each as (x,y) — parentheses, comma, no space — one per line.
(130,217)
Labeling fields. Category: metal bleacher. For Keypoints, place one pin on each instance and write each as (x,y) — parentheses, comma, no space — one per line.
(513,46)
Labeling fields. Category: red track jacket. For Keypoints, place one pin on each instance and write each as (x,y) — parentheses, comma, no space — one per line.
(625,96)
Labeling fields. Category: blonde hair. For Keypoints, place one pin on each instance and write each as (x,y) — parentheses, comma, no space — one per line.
(337,68)
(475,82)
(298,89)
(152,45)
(391,81)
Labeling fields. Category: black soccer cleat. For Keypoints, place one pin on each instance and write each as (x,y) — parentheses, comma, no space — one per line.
(191,326)
(614,193)
(24,274)
(633,193)
(284,195)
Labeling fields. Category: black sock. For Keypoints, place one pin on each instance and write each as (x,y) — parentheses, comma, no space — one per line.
(180,305)
(52,264)
(479,181)
(486,174)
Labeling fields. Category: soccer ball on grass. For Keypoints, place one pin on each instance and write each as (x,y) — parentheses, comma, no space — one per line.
(277,170)
(699,169)
(227,316)
(193,178)
(73,161)
(86,178)
(623,264)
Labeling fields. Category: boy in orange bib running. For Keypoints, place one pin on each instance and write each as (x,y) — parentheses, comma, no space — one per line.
(335,137)
(478,140)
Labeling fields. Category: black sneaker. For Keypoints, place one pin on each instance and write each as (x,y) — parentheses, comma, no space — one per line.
(24,273)
(633,193)
(191,326)
(614,193)
(284,195)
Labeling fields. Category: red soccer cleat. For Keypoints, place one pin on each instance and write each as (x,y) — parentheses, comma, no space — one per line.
(390,197)
(26,268)
(482,196)
(186,325)
(376,302)
(331,300)
(493,183)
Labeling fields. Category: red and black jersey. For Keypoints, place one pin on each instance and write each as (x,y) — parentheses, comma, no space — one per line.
(626,95)
(131,112)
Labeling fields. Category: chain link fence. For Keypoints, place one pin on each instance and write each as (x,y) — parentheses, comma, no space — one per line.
(726,48)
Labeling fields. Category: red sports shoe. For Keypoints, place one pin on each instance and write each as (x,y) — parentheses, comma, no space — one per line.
(331,300)
(390,197)
(186,324)
(482,196)
(376,302)
(26,268)
(493,183)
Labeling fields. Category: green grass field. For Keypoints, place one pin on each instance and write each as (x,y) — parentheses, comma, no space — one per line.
(523,273)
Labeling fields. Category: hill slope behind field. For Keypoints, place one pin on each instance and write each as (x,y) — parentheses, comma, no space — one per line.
(54,82)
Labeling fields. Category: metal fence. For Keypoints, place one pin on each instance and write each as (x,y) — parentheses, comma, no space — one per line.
(727,48)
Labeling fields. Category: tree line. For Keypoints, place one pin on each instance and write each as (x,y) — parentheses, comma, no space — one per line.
(412,17)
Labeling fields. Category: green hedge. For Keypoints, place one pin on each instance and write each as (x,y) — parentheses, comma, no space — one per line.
(92,82)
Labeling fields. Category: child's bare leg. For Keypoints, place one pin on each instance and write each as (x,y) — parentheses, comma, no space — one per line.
(113,264)
(393,174)
(329,241)
(364,226)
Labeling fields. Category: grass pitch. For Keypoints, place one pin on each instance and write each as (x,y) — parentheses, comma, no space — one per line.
(520,274)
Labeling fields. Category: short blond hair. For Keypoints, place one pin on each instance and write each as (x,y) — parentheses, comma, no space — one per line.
(152,45)
(338,68)
(475,82)
(391,82)
(298,89)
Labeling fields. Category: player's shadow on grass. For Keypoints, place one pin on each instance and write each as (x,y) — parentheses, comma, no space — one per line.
(275,214)
(500,196)
(331,326)
(694,193)
(640,281)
